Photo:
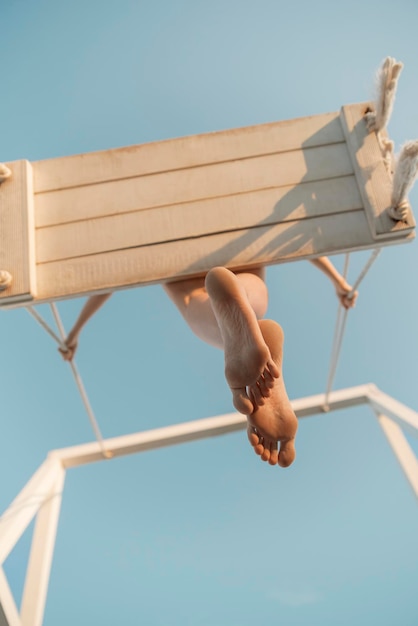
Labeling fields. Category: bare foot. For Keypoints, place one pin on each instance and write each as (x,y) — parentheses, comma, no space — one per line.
(274,421)
(249,368)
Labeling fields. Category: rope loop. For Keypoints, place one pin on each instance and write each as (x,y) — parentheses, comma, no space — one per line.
(386,83)
(406,172)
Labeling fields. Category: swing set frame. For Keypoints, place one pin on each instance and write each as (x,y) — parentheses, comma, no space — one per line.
(163,212)
(42,495)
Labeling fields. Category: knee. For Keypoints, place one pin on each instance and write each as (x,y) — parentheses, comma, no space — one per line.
(258,297)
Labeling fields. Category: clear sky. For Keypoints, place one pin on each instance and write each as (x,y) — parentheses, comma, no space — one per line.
(205,534)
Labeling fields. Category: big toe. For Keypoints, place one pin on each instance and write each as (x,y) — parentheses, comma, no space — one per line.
(287,453)
(252,435)
(241,401)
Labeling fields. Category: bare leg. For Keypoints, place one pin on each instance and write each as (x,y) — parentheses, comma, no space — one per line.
(192,299)
(223,311)
(249,368)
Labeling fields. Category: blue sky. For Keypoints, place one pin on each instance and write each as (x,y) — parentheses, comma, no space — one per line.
(205,534)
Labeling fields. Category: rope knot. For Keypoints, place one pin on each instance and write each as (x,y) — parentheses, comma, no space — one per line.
(406,171)
(387,80)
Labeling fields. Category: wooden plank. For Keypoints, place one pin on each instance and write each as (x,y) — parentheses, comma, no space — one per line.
(282,242)
(374,180)
(183,221)
(17,233)
(186,152)
(209,181)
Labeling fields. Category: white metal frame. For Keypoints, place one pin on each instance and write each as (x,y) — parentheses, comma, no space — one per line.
(41,497)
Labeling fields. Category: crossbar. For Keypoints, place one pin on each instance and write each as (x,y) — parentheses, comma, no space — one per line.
(42,494)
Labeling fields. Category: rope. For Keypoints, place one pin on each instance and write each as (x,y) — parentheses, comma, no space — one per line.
(406,172)
(106,453)
(387,81)
(406,167)
(77,377)
(365,269)
(45,326)
(336,341)
(340,324)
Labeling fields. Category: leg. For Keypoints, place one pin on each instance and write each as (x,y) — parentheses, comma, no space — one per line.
(192,300)
(223,310)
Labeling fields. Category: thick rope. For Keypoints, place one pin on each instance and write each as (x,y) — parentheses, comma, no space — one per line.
(386,84)
(5,172)
(387,80)
(79,383)
(406,172)
(340,325)
(406,166)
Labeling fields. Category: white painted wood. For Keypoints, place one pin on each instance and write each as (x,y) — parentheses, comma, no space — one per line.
(402,450)
(24,507)
(40,558)
(187,152)
(9,615)
(340,399)
(402,414)
(43,491)
(151,439)
(373,177)
(17,235)
(196,219)
(240,198)
(188,185)
(262,245)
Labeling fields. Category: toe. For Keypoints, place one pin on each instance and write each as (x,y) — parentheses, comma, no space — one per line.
(268,379)
(287,453)
(259,448)
(256,395)
(242,402)
(265,455)
(274,453)
(252,435)
(273,369)
(264,388)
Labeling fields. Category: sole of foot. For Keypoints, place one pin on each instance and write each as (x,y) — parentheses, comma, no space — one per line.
(272,427)
(250,370)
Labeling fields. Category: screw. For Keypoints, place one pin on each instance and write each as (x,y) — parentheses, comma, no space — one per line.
(5,279)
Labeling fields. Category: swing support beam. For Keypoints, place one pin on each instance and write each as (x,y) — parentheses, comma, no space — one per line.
(42,495)
(171,210)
